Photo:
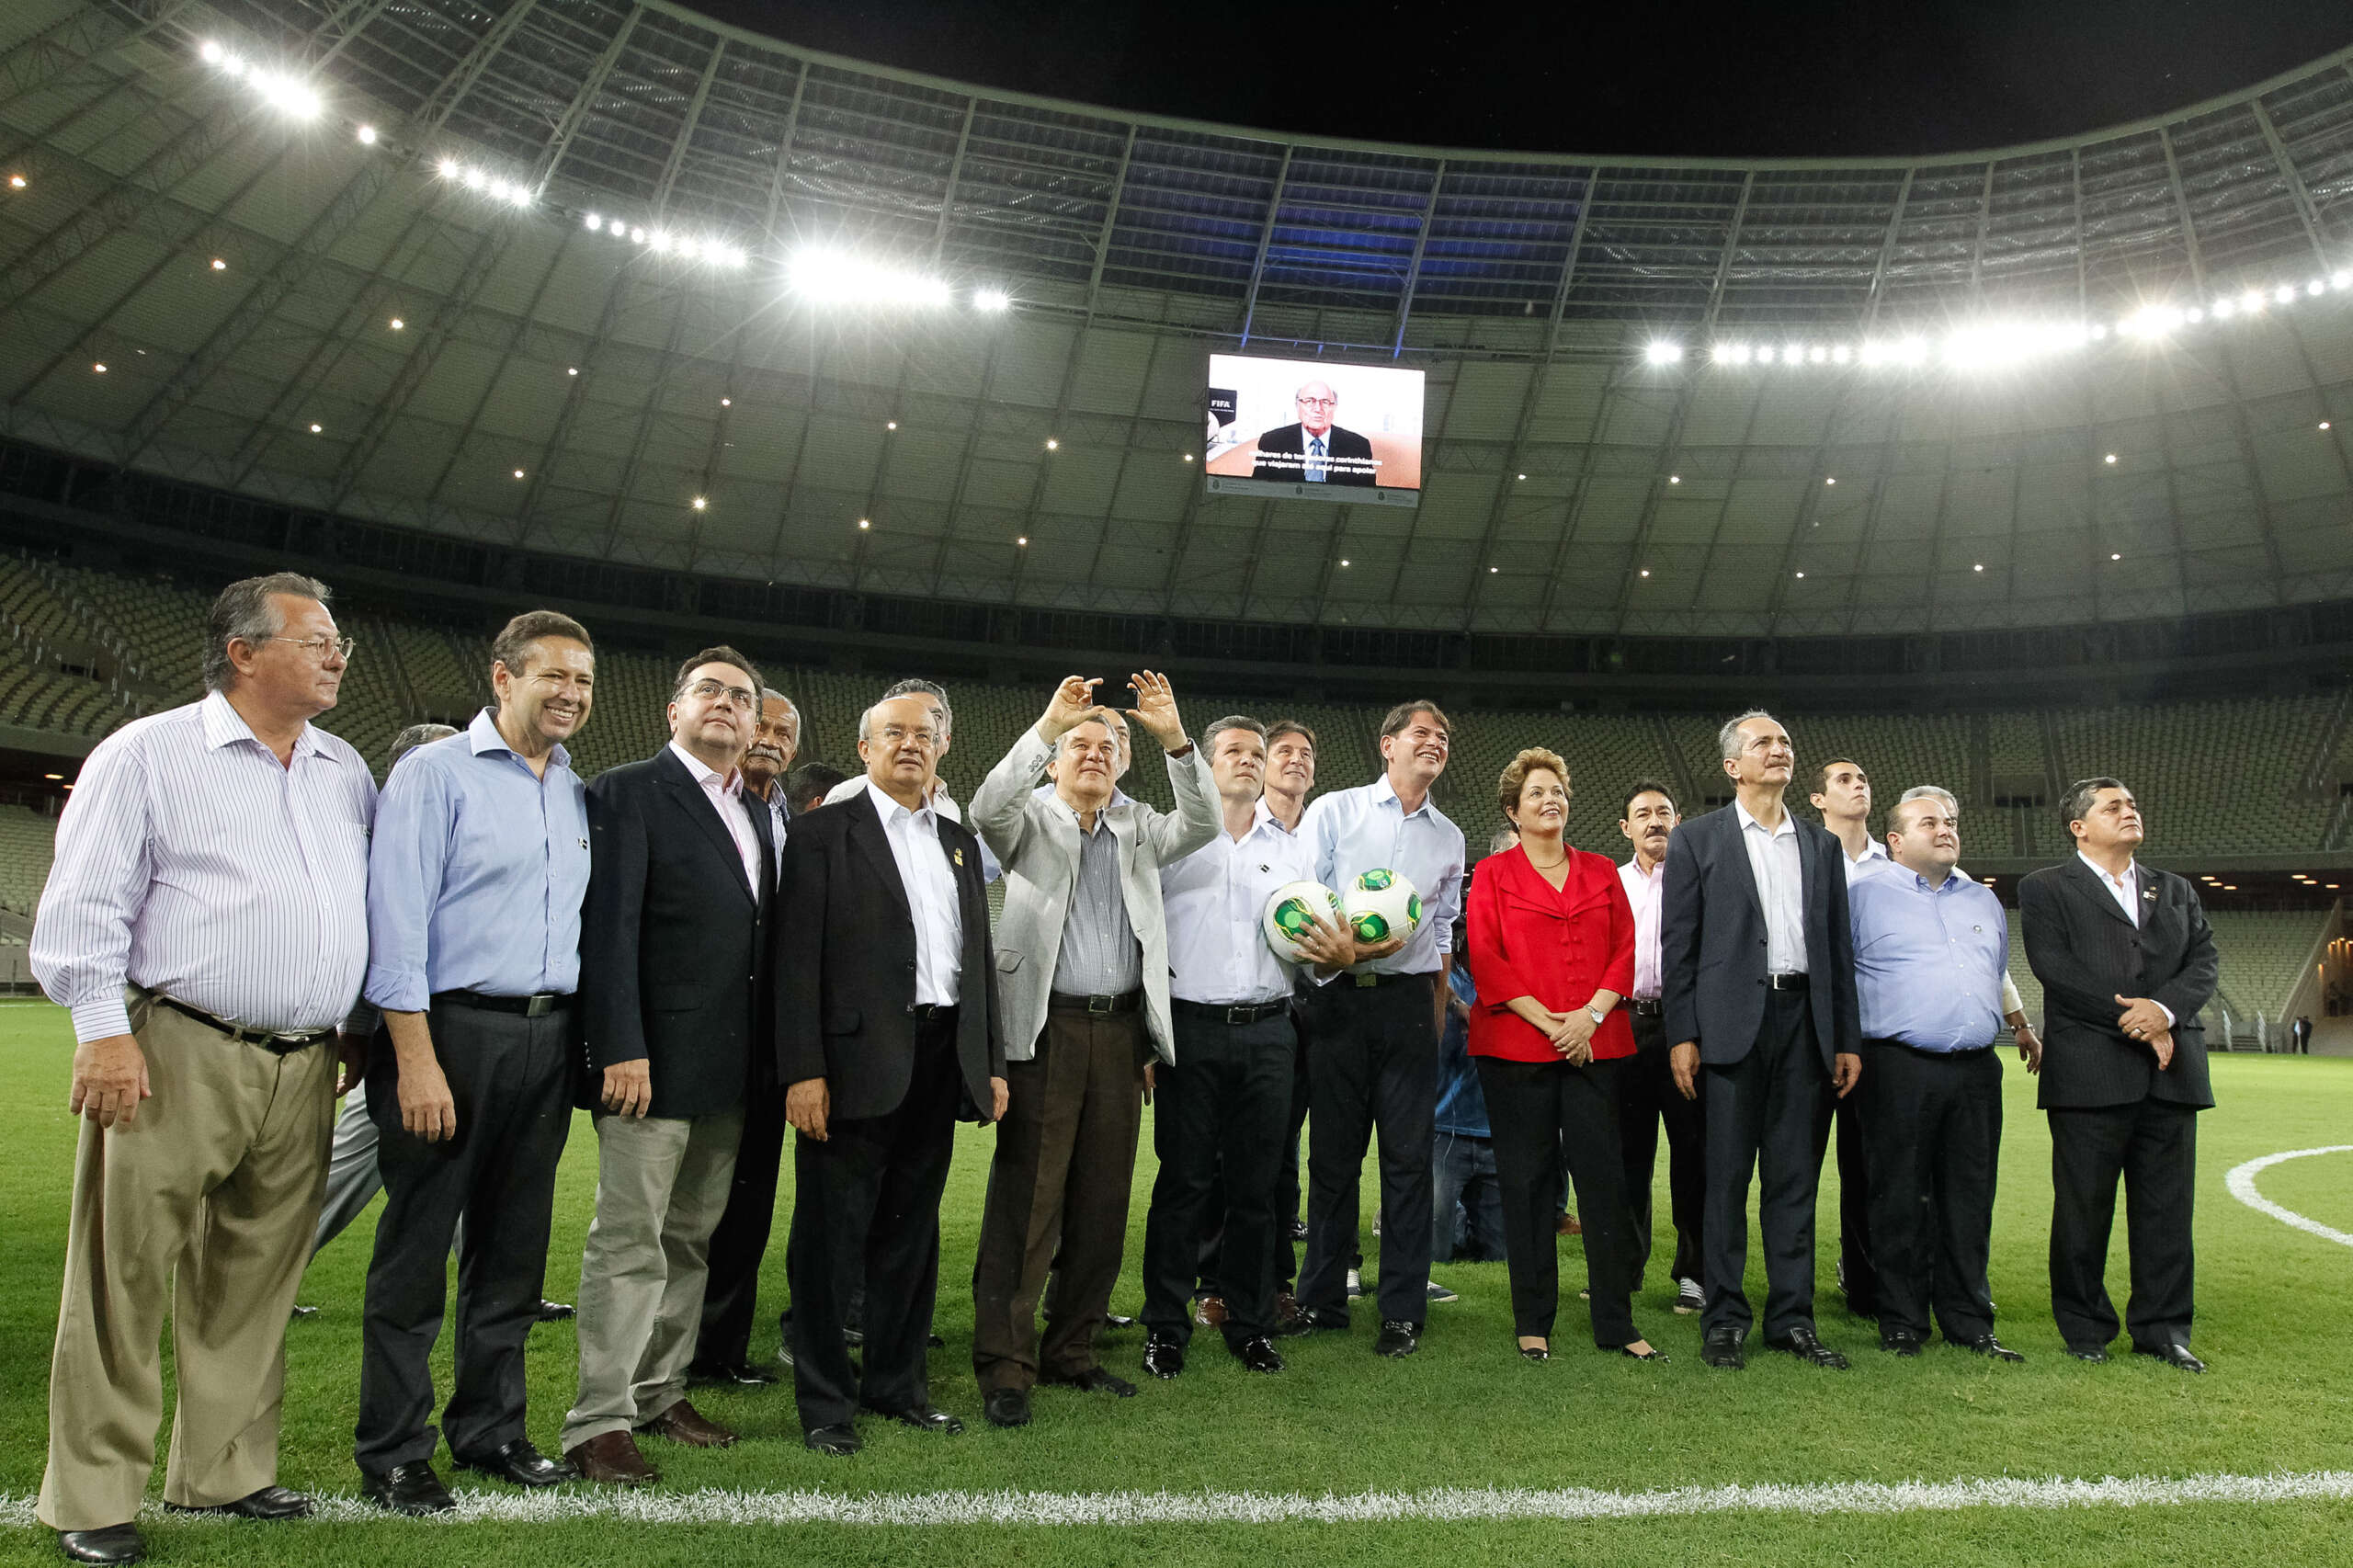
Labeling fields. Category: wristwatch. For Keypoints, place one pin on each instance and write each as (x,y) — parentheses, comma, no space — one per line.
(1597,1015)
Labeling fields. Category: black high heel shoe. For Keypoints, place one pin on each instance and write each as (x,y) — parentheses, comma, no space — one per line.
(1653,1354)
(1536,1352)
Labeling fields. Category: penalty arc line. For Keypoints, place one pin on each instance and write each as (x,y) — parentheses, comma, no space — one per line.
(1443,1505)
(2240,1182)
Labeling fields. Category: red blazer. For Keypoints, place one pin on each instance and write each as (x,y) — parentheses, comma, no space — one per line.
(1560,946)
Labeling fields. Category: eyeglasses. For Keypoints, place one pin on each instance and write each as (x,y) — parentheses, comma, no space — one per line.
(894,734)
(712,691)
(1320,402)
(318,647)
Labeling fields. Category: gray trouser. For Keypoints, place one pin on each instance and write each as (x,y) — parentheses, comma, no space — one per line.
(353,1178)
(661,1184)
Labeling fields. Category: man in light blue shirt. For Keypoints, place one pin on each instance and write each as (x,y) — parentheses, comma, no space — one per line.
(1930,950)
(474,886)
(1374,1032)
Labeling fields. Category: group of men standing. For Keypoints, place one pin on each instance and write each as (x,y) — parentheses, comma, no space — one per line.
(242,928)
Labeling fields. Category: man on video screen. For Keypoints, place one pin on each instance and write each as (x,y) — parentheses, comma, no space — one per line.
(1315,450)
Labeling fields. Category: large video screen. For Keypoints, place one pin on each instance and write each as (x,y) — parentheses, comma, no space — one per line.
(1308,429)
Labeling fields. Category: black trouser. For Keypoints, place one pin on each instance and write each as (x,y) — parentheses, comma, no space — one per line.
(1374,1064)
(1217,1127)
(1648,1097)
(510,1078)
(1761,1113)
(1856,1268)
(866,1206)
(740,1242)
(1930,1115)
(2153,1144)
(1286,1208)
(1543,1113)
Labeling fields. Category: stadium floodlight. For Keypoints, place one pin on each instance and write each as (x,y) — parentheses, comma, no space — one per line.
(211,51)
(1793,354)
(831,278)
(2225,309)
(1841,354)
(2193,315)
(367,136)
(2251,301)
(992,301)
(232,65)
(449,167)
(471,178)
(2286,294)
(637,236)
(1765,354)
(1817,355)
(1663,351)
(2317,287)
(594,223)
(2340,281)
(2153,321)
(1913,350)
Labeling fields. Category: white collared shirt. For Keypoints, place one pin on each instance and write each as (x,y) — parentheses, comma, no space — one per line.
(1872,861)
(1355,831)
(1643,891)
(2126,891)
(930,885)
(725,793)
(1779,870)
(1217,954)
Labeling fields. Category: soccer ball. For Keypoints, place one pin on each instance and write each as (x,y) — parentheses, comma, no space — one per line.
(1380,905)
(1290,910)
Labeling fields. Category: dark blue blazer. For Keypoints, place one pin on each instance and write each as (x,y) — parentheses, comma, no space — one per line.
(2087,954)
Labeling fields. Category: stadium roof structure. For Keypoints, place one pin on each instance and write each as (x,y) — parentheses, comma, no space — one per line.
(521,272)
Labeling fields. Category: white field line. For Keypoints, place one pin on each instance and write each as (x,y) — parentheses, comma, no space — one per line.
(1445,1504)
(2242,1185)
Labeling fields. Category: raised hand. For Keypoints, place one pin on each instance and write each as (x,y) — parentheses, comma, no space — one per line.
(1155,710)
(1073,700)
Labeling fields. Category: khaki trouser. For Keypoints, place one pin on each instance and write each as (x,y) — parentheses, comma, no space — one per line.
(661,1184)
(204,1204)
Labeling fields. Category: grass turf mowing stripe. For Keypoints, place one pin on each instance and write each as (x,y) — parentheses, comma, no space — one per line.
(1443,1506)
(2242,1185)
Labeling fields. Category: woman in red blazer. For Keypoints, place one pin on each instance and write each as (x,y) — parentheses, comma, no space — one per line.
(1552,953)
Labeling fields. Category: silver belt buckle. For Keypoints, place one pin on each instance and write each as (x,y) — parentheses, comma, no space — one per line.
(1102,1006)
(540,1005)
(1366,980)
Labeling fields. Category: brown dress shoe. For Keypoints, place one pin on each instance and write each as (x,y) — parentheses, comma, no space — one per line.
(611,1459)
(682,1423)
(1209,1312)
(1569,1226)
(1289,1319)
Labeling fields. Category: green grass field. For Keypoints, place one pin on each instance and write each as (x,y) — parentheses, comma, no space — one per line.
(1466,1411)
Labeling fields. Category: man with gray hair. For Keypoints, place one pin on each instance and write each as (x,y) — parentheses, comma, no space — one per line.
(1931,948)
(206,920)
(941,802)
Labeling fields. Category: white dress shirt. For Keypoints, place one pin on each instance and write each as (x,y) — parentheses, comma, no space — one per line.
(930,884)
(1872,861)
(1355,831)
(192,863)
(942,801)
(2126,890)
(1217,954)
(1644,890)
(1774,862)
(725,793)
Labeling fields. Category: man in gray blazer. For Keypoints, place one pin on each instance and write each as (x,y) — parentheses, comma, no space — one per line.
(1082,998)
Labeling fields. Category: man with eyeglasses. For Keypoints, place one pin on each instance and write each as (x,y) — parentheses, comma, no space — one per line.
(476,876)
(676,945)
(206,920)
(1315,450)
(883,1038)
(935,696)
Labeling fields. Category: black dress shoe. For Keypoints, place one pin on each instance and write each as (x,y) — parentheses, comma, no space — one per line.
(302,1311)
(115,1543)
(269,1503)
(740,1373)
(835,1442)
(1259,1355)
(1901,1342)
(1322,1320)
(1114,1320)
(2094,1354)
(553,1311)
(1094,1379)
(2172,1356)
(924,1419)
(520,1463)
(1007,1407)
(1536,1352)
(1398,1340)
(1802,1343)
(409,1488)
(1721,1350)
(1163,1356)
(1993,1349)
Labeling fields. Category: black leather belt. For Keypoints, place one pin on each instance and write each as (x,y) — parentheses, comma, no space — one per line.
(534,1007)
(1234,1015)
(1786,982)
(1100,1007)
(1645,1007)
(284,1043)
(924,1012)
(1368,978)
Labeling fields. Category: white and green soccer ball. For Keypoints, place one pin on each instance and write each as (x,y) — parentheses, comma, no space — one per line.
(1290,910)
(1380,904)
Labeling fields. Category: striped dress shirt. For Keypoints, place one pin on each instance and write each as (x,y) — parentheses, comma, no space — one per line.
(191,862)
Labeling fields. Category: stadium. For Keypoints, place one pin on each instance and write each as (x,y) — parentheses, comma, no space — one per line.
(1993,470)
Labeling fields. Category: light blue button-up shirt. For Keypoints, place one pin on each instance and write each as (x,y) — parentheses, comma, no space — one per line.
(1355,831)
(1929,961)
(476,874)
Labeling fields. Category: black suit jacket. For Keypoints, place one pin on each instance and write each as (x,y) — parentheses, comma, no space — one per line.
(846,982)
(2087,954)
(1711,940)
(675,947)
(1290,440)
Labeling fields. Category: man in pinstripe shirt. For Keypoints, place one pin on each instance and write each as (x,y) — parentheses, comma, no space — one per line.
(206,919)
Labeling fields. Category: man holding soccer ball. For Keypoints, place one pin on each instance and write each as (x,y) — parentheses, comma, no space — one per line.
(1397,862)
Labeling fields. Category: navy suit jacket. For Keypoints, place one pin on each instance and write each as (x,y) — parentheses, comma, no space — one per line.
(2087,954)
(1711,941)
(1290,440)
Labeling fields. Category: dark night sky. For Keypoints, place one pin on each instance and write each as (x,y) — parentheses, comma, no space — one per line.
(1795,78)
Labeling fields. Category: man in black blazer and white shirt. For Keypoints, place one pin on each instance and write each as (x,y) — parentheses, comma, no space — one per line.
(676,946)
(1758,973)
(884,1002)
(2126,963)
(1315,450)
